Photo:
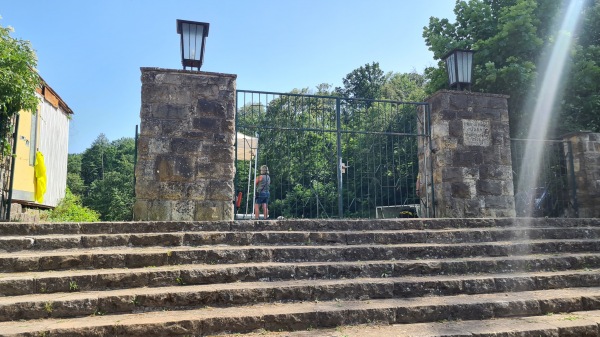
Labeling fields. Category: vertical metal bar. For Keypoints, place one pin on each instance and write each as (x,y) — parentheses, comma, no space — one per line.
(135,154)
(235,163)
(254,181)
(12,167)
(572,178)
(339,157)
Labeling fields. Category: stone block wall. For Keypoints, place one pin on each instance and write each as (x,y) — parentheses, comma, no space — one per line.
(25,213)
(470,154)
(586,168)
(185,163)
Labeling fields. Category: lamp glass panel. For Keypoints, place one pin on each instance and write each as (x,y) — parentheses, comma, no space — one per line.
(465,61)
(185,31)
(197,46)
(450,67)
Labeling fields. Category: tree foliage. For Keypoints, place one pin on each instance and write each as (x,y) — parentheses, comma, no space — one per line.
(365,82)
(511,39)
(581,103)
(70,209)
(74,180)
(103,177)
(18,80)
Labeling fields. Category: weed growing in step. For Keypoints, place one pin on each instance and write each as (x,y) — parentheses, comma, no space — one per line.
(179,281)
(43,334)
(48,307)
(135,301)
(73,286)
(98,313)
(169,253)
(571,318)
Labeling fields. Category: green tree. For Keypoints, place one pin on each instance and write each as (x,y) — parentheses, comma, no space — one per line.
(112,197)
(18,81)
(365,82)
(581,103)
(70,209)
(111,192)
(103,176)
(74,181)
(94,160)
(509,37)
(406,87)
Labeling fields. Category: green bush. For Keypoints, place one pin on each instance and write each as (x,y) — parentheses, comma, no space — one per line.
(69,209)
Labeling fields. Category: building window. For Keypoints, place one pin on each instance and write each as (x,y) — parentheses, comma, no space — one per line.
(33,137)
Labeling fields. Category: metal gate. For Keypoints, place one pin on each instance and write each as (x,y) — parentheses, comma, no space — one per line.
(329,157)
(551,190)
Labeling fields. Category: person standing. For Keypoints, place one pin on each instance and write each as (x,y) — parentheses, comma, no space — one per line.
(263,181)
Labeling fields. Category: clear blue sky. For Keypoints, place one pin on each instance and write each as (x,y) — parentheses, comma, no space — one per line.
(91,52)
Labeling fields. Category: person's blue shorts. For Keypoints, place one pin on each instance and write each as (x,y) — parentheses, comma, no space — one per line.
(262,198)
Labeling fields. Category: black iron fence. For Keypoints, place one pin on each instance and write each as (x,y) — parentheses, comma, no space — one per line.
(329,157)
(549,191)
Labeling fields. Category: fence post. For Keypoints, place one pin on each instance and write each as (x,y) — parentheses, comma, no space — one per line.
(339,157)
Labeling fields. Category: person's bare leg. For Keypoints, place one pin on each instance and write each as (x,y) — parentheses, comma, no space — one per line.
(256,211)
(265,211)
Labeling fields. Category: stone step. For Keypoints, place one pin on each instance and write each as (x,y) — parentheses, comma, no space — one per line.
(15,284)
(121,257)
(75,303)
(306,315)
(174,239)
(22,229)
(573,324)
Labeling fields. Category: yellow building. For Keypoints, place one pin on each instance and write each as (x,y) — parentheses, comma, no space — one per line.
(47,131)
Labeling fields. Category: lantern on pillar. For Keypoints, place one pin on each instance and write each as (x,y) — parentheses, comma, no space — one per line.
(193,38)
(459,65)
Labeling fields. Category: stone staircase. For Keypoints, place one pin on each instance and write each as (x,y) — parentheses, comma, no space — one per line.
(404,277)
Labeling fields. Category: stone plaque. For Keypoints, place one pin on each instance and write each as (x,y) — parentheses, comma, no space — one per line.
(476,133)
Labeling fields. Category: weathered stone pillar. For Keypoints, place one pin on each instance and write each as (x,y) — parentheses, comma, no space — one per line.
(185,163)
(585,147)
(470,165)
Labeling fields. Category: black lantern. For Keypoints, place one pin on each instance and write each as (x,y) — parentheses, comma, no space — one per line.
(459,64)
(193,37)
